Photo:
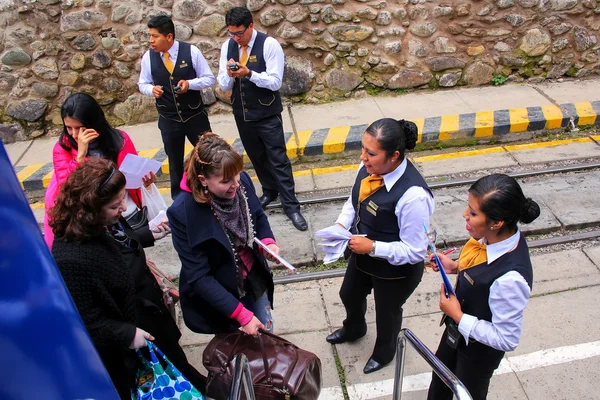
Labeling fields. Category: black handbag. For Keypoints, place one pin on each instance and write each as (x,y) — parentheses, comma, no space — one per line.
(138,219)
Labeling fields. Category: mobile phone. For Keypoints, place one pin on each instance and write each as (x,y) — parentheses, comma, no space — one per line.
(233,67)
(177,89)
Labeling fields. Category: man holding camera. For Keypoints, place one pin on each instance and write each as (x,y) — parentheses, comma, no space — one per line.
(174,72)
(251,66)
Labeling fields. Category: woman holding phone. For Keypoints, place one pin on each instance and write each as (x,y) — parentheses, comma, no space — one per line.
(495,277)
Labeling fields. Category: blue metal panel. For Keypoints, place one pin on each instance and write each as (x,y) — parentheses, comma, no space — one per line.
(45,350)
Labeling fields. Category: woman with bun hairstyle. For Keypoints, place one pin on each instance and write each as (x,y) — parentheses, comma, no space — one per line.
(387,208)
(225,281)
(495,277)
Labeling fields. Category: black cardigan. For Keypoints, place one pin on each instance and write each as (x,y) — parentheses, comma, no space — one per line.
(102,287)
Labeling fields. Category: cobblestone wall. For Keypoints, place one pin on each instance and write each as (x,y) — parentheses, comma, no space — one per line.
(334,48)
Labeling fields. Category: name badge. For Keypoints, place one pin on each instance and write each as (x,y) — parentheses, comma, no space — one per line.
(471,281)
(373,205)
(183,64)
(371,210)
(252,59)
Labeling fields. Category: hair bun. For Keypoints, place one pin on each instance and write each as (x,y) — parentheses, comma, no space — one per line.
(530,211)
(411,133)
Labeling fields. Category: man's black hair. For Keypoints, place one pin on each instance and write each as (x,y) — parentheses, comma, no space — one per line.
(237,16)
(163,24)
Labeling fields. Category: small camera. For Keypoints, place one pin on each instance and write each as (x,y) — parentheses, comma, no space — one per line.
(177,89)
(233,67)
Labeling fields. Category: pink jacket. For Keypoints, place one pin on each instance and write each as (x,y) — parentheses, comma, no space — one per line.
(64,163)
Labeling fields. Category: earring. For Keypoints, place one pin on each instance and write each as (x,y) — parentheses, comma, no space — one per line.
(205,190)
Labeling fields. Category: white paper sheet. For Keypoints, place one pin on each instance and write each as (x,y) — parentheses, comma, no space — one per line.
(160,218)
(135,167)
(334,240)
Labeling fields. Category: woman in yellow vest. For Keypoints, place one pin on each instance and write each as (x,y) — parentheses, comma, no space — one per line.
(485,318)
(387,208)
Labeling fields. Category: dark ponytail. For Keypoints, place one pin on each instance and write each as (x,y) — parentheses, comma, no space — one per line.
(394,135)
(502,199)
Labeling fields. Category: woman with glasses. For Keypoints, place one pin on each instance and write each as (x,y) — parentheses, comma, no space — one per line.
(104,267)
(86,133)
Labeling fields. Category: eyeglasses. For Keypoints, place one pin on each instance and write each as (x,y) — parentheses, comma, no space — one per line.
(237,34)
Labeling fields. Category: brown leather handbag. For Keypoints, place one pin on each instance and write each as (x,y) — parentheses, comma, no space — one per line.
(280,370)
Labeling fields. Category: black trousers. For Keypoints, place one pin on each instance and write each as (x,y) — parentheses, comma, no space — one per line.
(390,296)
(264,143)
(173,136)
(473,365)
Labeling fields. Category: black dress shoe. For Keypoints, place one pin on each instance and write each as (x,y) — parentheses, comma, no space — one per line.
(266,200)
(298,221)
(342,336)
(373,365)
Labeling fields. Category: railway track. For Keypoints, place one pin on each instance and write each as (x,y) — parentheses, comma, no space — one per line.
(460,182)
(533,244)
(565,235)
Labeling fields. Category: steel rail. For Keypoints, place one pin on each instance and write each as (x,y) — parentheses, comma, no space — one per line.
(458,182)
(441,370)
(339,272)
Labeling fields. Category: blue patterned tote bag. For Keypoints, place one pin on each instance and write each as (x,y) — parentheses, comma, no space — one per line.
(156,382)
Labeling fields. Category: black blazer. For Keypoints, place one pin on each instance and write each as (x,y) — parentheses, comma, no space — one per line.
(208,280)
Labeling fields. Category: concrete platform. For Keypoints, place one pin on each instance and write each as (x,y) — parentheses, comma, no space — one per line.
(334,129)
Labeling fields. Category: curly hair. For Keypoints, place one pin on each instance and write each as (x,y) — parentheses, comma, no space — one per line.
(212,155)
(76,215)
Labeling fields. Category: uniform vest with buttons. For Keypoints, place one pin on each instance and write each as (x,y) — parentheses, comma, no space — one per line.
(177,107)
(250,102)
(474,283)
(375,216)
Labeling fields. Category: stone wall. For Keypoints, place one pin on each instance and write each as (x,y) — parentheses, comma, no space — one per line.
(334,48)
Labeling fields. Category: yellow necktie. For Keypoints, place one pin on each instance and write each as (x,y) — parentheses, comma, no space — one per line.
(168,64)
(369,185)
(244,57)
(472,254)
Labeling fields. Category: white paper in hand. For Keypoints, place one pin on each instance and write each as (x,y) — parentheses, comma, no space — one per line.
(135,167)
(159,219)
(334,240)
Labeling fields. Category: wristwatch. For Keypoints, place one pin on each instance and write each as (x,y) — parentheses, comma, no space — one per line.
(372,252)
(249,74)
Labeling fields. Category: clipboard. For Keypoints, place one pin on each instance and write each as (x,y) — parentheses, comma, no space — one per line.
(448,288)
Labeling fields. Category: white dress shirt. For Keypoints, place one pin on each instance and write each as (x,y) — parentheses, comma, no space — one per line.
(412,210)
(273,56)
(509,295)
(204,76)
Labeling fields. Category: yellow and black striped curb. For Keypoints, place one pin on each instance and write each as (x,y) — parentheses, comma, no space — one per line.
(330,141)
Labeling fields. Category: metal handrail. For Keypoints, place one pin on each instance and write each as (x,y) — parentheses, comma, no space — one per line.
(447,376)
(241,379)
